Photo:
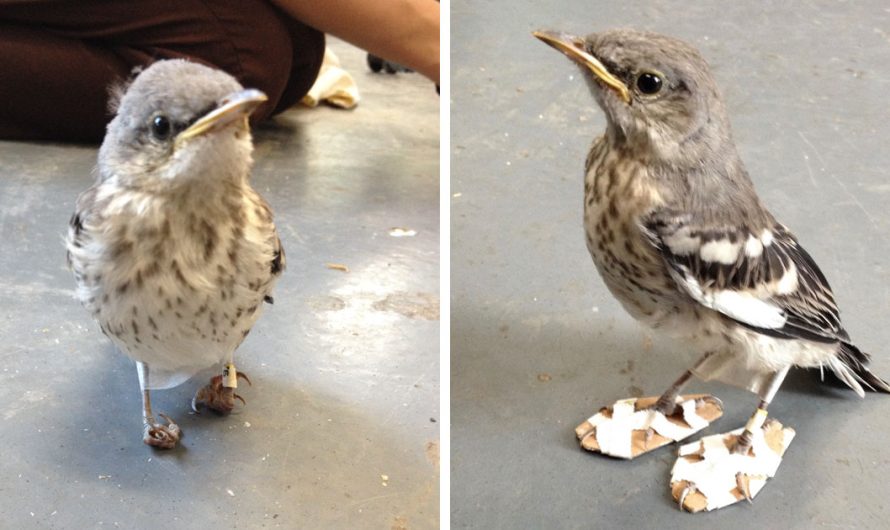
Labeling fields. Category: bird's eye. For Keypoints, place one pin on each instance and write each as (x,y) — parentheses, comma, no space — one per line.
(160,127)
(649,83)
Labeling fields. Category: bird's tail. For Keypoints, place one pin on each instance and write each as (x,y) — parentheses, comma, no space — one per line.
(851,367)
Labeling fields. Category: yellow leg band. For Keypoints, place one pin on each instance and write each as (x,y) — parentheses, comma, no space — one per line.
(230,376)
(756,421)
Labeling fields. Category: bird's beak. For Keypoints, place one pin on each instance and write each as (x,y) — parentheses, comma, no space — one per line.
(237,106)
(573,48)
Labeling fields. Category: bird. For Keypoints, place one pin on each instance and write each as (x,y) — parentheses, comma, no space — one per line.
(680,237)
(172,251)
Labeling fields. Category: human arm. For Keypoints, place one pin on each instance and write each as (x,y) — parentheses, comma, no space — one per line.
(403,31)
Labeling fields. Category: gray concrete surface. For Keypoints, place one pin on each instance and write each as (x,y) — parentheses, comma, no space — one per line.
(341,426)
(807,88)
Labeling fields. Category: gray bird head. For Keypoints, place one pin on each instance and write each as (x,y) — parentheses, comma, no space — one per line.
(656,91)
(179,122)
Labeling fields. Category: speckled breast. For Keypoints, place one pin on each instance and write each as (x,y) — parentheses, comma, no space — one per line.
(177,288)
(617,196)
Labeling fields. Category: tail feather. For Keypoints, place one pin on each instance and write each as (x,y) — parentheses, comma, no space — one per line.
(851,366)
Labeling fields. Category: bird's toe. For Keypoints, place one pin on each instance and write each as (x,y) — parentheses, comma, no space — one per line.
(161,436)
(218,397)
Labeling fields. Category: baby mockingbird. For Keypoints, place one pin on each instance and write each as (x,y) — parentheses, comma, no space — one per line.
(679,235)
(172,250)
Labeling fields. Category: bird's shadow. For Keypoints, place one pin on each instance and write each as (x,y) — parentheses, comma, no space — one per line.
(815,382)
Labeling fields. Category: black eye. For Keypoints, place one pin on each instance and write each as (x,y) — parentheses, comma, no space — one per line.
(160,127)
(649,83)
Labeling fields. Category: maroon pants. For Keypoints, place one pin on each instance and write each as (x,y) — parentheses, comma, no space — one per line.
(58,59)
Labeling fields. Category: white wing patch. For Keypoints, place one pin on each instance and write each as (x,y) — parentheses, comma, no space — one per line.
(744,306)
(720,251)
(681,243)
(753,247)
(766,237)
(788,282)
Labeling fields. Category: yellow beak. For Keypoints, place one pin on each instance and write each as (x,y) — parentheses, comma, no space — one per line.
(237,106)
(573,48)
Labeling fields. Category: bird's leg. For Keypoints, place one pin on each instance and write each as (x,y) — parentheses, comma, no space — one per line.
(219,394)
(743,442)
(155,434)
(667,402)
(766,394)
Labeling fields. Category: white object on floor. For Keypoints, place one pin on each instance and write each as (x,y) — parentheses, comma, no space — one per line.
(710,468)
(333,85)
(614,434)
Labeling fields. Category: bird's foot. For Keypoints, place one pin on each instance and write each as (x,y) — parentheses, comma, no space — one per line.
(159,435)
(720,470)
(631,427)
(667,405)
(216,396)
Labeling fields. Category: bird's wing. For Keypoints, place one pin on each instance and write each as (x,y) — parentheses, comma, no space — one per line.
(263,215)
(80,223)
(279,262)
(764,280)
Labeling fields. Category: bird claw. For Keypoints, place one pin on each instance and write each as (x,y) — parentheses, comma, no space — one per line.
(159,435)
(216,397)
(742,445)
(650,434)
(689,488)
(741,481)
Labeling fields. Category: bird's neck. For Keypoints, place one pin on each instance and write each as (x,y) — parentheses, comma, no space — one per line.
(701,167)
(700,148)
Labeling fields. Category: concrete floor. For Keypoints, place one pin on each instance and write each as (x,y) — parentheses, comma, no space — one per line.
(806,90)
(341,424)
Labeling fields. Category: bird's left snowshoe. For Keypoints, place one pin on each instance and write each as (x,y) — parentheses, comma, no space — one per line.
(631,427)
